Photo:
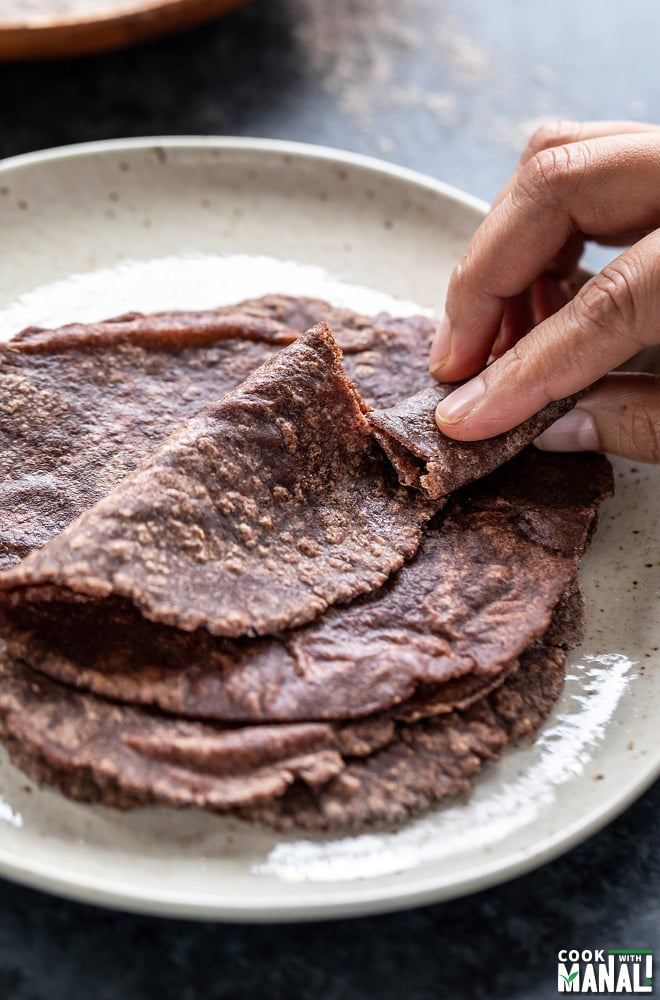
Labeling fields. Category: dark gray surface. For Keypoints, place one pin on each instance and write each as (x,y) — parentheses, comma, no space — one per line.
(451,89)
(498,945)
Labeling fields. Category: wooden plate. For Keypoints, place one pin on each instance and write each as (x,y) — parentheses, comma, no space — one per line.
(38,29)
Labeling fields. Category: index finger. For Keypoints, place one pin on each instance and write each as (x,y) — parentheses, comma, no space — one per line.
(602,187)
(614,315)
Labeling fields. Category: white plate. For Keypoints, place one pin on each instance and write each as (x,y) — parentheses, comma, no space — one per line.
(93,230)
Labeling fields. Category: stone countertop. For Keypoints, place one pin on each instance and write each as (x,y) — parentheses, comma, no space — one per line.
(452,88)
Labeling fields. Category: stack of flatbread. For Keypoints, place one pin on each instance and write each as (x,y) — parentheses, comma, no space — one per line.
(244,572)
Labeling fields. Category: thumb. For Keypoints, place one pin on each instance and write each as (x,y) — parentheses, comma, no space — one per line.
(621,415)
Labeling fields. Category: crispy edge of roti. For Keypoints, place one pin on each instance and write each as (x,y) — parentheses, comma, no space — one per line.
(437,465)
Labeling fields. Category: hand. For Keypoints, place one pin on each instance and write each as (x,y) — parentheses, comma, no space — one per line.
(508,301)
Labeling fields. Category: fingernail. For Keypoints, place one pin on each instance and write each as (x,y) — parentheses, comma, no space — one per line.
(441,344)
(460,402)
(576,431)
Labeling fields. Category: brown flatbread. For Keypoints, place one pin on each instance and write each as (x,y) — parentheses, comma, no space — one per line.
(386,348)
(483,585)
(313,775)
(95,751)
(429,761)
(459,692)
(386,356)
(84,405)
(267,509)
(254,516)
(426,458)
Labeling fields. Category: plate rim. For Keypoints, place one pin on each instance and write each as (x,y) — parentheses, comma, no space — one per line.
(290,147)
(356,898)
(390,899)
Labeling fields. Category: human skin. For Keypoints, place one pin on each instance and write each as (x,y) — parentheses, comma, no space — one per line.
(509,300)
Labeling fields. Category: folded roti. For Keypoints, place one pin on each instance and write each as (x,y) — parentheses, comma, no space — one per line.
(254,516)
(315,776)
(82,406)
(484,583)
(428,761)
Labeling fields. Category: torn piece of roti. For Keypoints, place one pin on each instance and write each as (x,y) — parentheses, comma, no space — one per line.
(427,459)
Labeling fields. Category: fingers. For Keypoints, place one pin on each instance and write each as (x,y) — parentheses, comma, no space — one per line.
(517,320)
(524,311)
(613,315)
(561,133)
(621,415)
(604,187)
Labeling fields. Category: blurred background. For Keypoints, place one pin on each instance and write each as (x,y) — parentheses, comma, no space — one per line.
(452,88)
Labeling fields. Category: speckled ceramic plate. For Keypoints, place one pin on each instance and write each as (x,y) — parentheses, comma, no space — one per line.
(94,230)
